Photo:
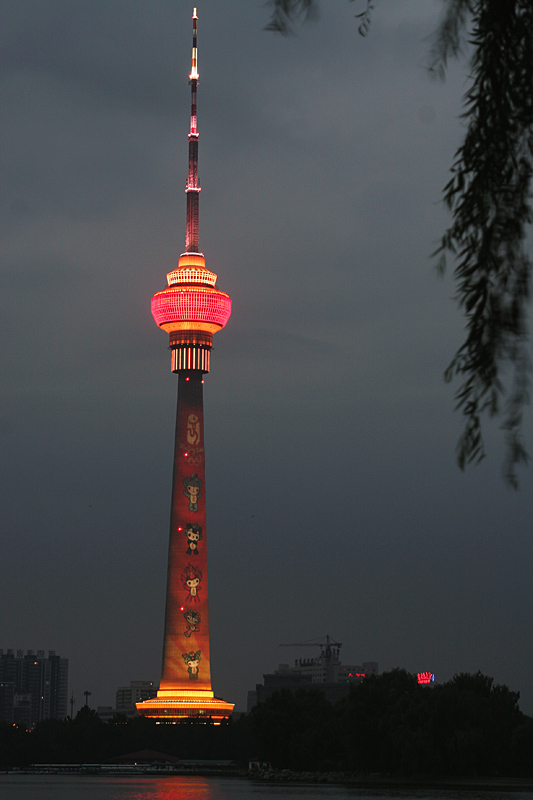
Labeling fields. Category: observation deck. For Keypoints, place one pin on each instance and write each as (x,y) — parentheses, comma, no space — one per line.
(191,309)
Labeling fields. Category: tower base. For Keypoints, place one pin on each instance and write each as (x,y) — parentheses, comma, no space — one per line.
(180,706)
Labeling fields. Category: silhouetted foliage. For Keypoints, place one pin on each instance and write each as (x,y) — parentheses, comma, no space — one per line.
(380,719)
(489,197)
(15,745)
(522,748)
(86,739)
(286,12)
(471,722)
(297,730)
(388,724)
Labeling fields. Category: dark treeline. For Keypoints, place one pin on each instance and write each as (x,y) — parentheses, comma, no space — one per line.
(87,740)
(389,724)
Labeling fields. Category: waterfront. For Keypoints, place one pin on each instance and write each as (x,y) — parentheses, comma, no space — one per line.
(69,787)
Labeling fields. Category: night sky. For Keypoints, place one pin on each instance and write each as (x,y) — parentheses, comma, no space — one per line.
(335,505)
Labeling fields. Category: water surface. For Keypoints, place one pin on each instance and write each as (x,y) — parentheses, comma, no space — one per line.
(79,787)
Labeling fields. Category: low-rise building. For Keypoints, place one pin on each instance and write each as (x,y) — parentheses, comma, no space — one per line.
(136,692)
(325,673)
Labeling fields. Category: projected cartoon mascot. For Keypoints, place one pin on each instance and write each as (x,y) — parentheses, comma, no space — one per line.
(191,577)
(192,661)
(193,490)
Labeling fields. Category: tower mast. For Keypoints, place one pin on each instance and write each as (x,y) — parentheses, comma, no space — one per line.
(190,309)
(192,189)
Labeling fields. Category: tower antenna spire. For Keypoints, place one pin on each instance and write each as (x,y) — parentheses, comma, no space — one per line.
(192,188)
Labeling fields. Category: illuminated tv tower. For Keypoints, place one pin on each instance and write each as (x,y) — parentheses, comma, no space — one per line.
(190,309)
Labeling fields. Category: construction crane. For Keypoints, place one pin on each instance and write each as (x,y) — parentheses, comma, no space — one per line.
(325,642)
(329,651)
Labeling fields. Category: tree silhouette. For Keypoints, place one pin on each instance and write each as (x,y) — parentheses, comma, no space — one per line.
(488,196)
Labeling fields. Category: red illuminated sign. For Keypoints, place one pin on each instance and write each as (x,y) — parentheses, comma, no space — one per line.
(425,677)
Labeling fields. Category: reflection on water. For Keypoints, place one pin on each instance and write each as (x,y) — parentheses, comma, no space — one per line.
(171,788)
(74,787)
(69,787)
(183,788)
(77,787)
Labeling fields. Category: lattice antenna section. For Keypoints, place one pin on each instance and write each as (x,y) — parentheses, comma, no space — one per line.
(192,188)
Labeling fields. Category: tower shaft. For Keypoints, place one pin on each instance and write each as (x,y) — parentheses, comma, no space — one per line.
(186,614)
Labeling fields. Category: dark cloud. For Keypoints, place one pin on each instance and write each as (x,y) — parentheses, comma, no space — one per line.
(335,505)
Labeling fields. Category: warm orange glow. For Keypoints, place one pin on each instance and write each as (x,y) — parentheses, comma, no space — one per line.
(191,275)
(191,260)
(178,694)
(169,705)
(190,358)
(191,269)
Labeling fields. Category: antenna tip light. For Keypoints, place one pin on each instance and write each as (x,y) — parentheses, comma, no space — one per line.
(194,14)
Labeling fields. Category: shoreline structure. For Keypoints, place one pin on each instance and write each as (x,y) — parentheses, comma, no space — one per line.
(370,781)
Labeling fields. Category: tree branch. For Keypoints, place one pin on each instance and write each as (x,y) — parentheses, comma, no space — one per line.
(489,198)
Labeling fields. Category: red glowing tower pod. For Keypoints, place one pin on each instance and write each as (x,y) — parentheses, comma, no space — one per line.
(190,309)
